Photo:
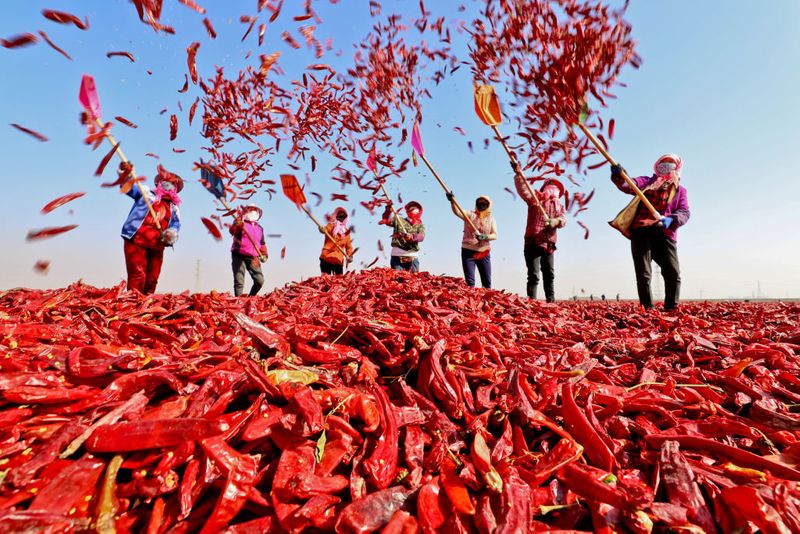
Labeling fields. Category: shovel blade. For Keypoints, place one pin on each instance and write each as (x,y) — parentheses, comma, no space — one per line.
(292,189)
(487,106)
(88,96)
(416,140)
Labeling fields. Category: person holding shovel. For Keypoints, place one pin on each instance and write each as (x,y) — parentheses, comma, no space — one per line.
(479,229)
(249,250)
(152,224)
(546,215)
(408,233)
(337,239)
(655,238)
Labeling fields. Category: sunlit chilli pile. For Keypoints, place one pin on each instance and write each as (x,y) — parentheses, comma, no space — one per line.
(388,400)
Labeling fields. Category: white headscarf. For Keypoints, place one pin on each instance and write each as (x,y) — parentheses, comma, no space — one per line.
(340,227)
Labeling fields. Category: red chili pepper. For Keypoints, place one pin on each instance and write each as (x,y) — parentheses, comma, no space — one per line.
(150,434)
(578,425)
(455,488)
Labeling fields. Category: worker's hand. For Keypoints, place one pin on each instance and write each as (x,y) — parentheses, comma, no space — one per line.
(616,171)
(515,166)
(263,258)
(665,222)
(169,236)
(321,229)
(482,237)
(553,222)
(449,196)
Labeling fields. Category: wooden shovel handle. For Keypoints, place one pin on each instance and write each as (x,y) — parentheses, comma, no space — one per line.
(323,229)
(138,184)
(446,190)
(513,159)
(599,146)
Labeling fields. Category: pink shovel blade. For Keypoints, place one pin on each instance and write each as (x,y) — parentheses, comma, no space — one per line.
(416,140)
(88,96)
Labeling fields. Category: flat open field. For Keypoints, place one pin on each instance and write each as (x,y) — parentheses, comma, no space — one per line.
(386,401)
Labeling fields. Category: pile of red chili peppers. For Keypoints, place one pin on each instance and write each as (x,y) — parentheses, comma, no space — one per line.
(394,402)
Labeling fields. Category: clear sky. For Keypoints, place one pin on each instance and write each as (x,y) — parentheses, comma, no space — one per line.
(718,86)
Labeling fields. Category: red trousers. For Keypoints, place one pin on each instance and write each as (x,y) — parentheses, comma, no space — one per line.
(144,266)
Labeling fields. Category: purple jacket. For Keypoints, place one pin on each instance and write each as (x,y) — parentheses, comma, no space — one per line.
(678,208)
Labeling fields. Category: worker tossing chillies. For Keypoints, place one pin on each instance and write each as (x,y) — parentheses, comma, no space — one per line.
(337,239)
(408,233)
(249,250)
(152,224)
(655,238)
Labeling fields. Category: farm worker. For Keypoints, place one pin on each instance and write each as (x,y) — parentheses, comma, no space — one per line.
(475,248)
(331,259)
(145,237)
(408,233)
(655,238)
(249,250)
(541,231)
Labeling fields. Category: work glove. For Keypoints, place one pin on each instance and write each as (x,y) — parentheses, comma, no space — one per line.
(616,171)
(665,222)
(554,222)
(515,166)
(482,237)
(169,236)
(450,196)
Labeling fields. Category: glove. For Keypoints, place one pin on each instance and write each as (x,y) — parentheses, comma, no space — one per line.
(169,236)
(482,237)
(515,166)
(666,222)
(616,171)
(449,196)
(554,222)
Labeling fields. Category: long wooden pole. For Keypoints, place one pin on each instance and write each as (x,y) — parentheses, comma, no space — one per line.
(446,190)
(625,176)
(139,185)
(325,231)
(252,241)
(513,159)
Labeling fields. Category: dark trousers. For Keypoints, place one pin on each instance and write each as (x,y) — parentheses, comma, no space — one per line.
(143,265)
(396,263)
(484,265)
(538,259)
(253,265)
(330,268)
(651,244)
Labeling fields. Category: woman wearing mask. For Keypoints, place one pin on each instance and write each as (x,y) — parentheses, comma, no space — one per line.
(249,250)
(146,236)
(475,248)
(655,238)
(331,259)
(541,231)
(408,233)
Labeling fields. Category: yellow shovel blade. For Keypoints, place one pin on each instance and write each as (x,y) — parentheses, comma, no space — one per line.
(487,106)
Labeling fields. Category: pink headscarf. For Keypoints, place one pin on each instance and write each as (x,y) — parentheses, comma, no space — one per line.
(340,227)
(169,196)
(673,177)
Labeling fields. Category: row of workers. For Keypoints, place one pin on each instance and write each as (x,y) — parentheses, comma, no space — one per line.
(149,229)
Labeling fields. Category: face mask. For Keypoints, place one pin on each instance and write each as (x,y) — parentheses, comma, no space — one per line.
(482,206)
(167,186)
(551,191)
(251,216)
(664,168)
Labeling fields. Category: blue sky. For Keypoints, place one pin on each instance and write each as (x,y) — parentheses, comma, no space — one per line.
(718,86)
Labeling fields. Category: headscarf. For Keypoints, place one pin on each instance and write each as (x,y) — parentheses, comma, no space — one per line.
(167,196)
(673,177)
(340,227)
(488,211)
(416,218)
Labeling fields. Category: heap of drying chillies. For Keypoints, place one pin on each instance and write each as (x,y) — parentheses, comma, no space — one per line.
(395,402)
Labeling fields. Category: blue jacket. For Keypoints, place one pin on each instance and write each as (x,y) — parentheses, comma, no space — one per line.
(139,212)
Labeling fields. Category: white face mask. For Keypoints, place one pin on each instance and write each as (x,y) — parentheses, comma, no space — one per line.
(666,167)
(551,191)
(167,186)
(251,216)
